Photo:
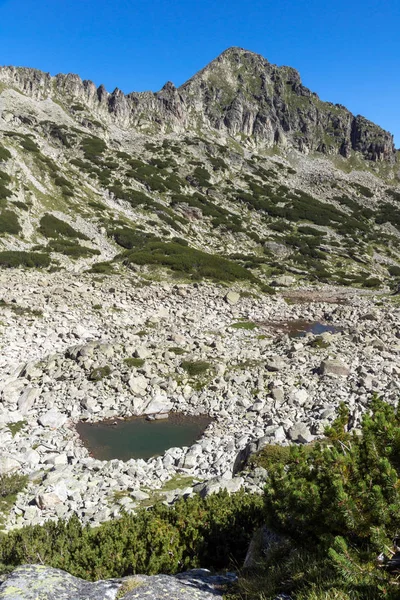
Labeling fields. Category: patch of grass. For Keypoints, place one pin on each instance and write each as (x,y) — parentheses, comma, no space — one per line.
(195,368)
(21,205)
(68,248)
(21,310)
(100,373)
(249,325)
(134,362)
(128,586)
(178,482)
(16,427)
(177,350)
(319,343)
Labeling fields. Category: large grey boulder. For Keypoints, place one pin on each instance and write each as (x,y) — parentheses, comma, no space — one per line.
(232,297)
(335,367)
(8,464)
(27,399)
(53,419)
(31,582)
(217,484)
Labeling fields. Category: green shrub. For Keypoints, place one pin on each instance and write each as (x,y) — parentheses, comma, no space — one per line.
(134,362)
(99,373)
(52,227)
(4,154)
(29,145)
(196,367)
(93,148)
(394,270)
(339,504)
(363,190)
(9,222)
(212,532)
(271,456)
(188,262)
(68,248)
(177,350)
(21,205)
(106,268)
(20,311)
(10,485)
(372,282)
(131,238)
(15,258)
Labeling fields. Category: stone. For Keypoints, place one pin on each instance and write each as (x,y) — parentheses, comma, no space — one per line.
(31,582)
(27,399)
(47,500)
(8,464)
(334,367)
(159,404)
(53,419)
(232,297)
(300,433)
(212,486)
(138,384)
(275,363)
(142,352)
(284,281)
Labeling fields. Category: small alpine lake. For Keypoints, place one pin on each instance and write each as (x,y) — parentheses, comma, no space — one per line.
(138,437)
(299,328)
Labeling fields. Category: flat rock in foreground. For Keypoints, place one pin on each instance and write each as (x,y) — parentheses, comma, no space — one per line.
(30,582)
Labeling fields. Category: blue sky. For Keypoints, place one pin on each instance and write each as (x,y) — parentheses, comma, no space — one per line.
(346,51)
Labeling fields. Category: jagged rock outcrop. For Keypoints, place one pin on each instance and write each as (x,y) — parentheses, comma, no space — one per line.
(238,94)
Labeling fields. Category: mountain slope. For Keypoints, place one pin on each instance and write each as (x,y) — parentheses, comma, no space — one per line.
(241,174)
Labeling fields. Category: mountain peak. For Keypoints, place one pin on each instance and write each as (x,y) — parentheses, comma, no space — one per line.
(239,94)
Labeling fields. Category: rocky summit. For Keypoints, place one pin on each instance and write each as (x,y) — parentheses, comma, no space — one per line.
(228,248)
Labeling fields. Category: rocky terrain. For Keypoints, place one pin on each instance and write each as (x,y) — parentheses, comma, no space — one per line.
(66,358)
(158,254)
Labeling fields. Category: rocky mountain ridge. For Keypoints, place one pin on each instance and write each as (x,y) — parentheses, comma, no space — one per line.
(239,94)
(207,180)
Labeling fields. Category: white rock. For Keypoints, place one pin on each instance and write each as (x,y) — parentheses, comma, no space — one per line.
(8,464)
(27,399)
(52,418)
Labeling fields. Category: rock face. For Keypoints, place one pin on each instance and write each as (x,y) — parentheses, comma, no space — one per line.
(238,93)
(30,582)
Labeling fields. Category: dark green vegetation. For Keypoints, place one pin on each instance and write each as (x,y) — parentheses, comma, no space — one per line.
(214,532)
(9,222)
(21,310)
(337,504)
(13,258)
(10,486)
(196,367)
(134,362)
(100,373)
(188,262)
(51,227)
